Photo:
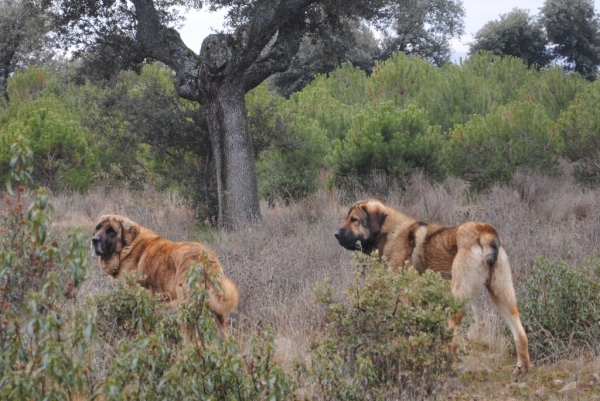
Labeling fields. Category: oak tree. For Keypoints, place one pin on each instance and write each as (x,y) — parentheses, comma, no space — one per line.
(23,24)
(574,27)
(516,34)
(261,39)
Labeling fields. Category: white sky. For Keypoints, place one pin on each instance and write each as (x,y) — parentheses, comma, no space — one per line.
(199,24)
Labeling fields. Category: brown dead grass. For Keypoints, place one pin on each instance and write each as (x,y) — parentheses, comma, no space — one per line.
(276,263)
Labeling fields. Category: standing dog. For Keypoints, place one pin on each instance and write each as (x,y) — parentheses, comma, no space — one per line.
(125,246)
(470,255)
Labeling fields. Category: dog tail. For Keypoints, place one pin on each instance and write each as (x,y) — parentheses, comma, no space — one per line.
(223,300)
(490,243)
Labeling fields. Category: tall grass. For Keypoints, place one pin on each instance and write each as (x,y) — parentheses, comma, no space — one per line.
(276,263)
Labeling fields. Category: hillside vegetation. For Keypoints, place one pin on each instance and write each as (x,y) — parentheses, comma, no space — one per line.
(487,140)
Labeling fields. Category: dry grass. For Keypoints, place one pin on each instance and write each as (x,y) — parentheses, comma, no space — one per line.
(277,262)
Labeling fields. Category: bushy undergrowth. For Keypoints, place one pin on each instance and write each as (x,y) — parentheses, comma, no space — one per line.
(47,352)
(182,357)
(481,121)
(42,354)
(389,337)
(561,309)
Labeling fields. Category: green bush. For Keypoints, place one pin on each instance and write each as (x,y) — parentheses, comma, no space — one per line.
(47,352)
(561,309)
(126,311)
(579,127)
(159,364)
(42,355)
(389,337)
(553,89)
(489,150)
(385,138)
(63,159)
(290,150)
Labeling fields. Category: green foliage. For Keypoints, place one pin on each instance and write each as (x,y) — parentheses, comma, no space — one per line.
(389,337)
(579,126)
(425,28)
(401,79)
(488,150)
(126,311)
(149,135)
(316,103)
(160,364)
(574,28)
(62,157)
(561,308)
(290,151)
(387,139)
(553,89)
(42,355)
(451,94)
(516,34)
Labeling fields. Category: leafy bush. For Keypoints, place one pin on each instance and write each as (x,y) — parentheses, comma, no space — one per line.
(488,150)
(290,150)
(159,364)
(561,308)
(42,355)
(384,138)
(62,156)
(388,339)
(553,89)
(579,126)
(126,311)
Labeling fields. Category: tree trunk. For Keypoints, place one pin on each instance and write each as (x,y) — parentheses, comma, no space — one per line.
(237,185)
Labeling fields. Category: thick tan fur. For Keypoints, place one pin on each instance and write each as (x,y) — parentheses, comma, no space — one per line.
(124,247)
(470,255)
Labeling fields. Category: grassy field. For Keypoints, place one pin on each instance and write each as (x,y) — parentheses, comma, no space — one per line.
(276,264)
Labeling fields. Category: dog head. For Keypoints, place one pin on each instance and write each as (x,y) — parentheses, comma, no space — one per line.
(111,235)
(362,225)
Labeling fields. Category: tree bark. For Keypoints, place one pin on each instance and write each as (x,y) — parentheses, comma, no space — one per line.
(229,65)
(237,184)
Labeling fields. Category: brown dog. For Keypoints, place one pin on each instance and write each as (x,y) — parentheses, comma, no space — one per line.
(470,255)
(125,246)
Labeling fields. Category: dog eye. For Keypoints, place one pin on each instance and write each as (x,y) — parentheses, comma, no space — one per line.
(353,219)
(98,227)
(111,231)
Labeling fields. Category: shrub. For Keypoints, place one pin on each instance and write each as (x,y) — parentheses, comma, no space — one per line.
(42,356)
(489,150)
(160,365)
(388,338)
(290,150)
(579,126)
(384,138)
(126,311)
(63,158)
(561,308)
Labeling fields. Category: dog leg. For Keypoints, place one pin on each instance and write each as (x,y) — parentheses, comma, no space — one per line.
(502,293)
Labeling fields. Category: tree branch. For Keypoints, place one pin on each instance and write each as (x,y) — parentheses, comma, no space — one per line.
(277,59)
(164,44)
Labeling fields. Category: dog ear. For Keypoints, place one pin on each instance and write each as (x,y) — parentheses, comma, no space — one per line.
(376,215)
(129,230)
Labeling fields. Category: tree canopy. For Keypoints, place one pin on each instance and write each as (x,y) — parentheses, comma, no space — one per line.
(515,34)
(23,24)
(262,39)
(574,27)
(424,27)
